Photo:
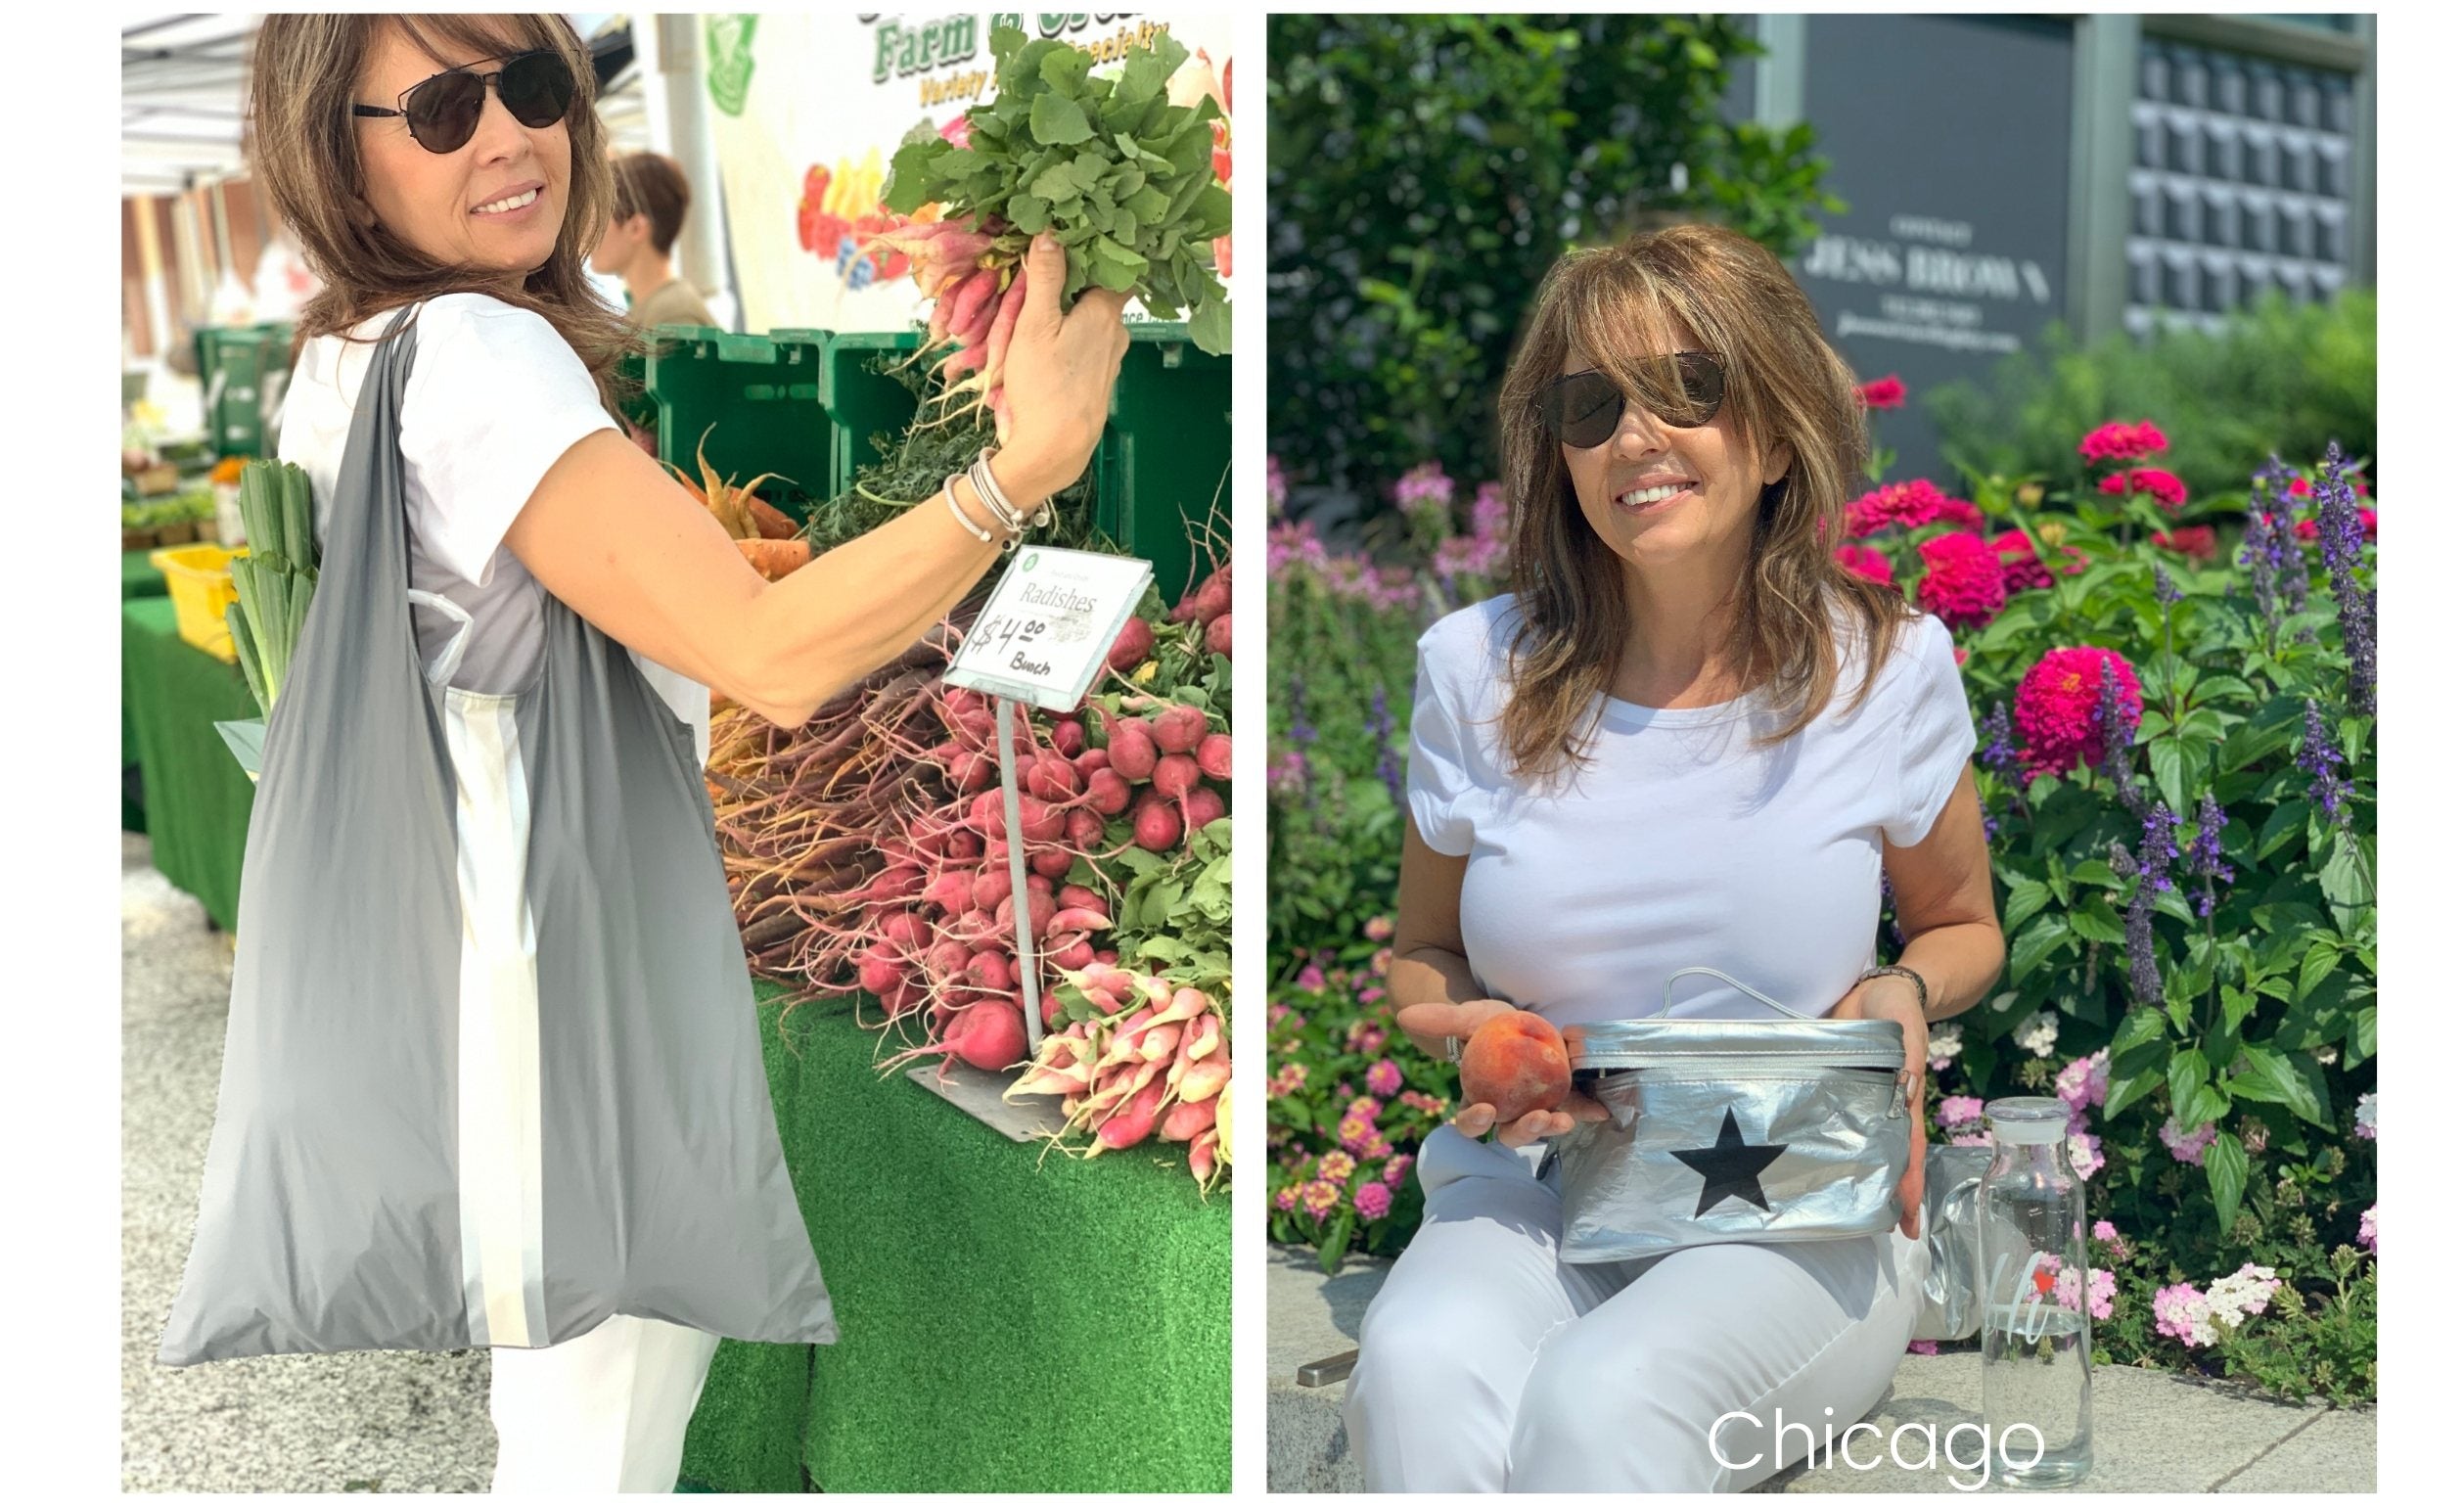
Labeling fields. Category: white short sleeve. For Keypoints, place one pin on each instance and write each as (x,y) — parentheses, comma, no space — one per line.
(1441,784)
(495,398)
(1938,736)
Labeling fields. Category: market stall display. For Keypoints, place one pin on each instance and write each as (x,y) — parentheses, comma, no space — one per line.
(196,798)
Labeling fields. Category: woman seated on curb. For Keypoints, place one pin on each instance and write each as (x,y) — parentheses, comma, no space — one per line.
(1689,737)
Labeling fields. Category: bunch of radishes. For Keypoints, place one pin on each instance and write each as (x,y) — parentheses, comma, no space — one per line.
(1210,607)
(1140,1059)
(977,294)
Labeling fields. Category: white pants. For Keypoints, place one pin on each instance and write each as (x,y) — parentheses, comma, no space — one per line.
(1488,1365)
(604,1412)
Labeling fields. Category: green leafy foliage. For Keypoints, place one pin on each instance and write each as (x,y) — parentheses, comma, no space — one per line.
(2282,377)
(1123,178)
(1426,169)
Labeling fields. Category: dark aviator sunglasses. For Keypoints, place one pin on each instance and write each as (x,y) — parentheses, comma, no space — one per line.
(1583,409)
(538,88)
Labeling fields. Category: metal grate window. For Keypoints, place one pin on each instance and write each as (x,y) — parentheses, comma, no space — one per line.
(2242,182)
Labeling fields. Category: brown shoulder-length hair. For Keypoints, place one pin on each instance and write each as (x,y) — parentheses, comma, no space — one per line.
(1723,292)
(304,151)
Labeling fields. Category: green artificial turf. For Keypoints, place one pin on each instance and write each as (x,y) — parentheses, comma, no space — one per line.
(196,799)
(1004,1326)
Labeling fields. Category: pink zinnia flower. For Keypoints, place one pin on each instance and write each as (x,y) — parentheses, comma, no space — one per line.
(1960,513)
(2022,571)
(1963,581)
(1373,1200)
(2055,707)
(1910,504)
(2194,541)
(2119,442)
(1884,392)
(2162,485)
(1867,561)
(1386,1079)
(2186,1148)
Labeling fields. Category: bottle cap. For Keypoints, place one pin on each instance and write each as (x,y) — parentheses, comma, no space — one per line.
(2028,1121)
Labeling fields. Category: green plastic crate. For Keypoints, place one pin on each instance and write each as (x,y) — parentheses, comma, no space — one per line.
(764,394)
(1158,470)
(243,368)
(1163,462)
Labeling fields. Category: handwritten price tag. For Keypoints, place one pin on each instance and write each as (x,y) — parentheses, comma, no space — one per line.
(1043,635)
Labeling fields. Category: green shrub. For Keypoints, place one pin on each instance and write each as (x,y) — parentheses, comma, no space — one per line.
(2283,377)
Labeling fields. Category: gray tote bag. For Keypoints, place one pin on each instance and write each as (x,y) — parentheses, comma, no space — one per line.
(492,1071)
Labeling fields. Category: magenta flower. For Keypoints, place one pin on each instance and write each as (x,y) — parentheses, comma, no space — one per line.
(1312,979)
(1962,582)
(1386,1079)
(1400,1166)
(2162,485)
(1884,392)
(1924,1347)
(2056,708)
(2119,442)
(1867,561)
(1373,1200)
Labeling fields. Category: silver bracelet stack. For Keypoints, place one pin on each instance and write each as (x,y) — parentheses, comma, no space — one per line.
(949,494)
(981,473)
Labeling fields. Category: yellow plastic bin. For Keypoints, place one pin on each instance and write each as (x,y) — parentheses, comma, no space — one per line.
(200,577)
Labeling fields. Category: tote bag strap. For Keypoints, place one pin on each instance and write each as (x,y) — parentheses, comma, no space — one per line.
(1669,992)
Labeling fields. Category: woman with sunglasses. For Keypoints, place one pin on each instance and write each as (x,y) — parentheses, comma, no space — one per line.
(1688,737)
(453,167)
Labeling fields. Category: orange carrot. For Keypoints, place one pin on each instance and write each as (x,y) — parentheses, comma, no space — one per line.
(776,559)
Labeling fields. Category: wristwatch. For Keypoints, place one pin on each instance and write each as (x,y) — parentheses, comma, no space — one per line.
(1909,974)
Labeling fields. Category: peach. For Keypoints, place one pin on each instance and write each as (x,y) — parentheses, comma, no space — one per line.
(1517,1063)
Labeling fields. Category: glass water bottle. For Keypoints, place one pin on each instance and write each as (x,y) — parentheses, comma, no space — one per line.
(2032,1266)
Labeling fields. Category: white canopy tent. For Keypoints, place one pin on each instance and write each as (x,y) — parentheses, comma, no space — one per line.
(183,83)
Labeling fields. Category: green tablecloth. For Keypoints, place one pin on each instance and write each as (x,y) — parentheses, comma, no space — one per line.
(1004,1326)
(138,576)
(197,799)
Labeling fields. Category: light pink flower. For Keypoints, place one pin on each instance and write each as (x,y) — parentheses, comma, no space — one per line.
(1311,979)
(2181,1313)
(2369,1236)
(1958,1109)
(2186,1148)
(1378,928)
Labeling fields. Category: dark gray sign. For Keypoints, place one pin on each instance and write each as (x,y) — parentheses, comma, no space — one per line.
(1949,136)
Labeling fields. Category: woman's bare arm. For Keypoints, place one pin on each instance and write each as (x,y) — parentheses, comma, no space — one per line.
(1943,889)
(617,540)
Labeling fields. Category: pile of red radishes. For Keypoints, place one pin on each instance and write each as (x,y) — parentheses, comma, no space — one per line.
(1140,1059)
(871,850)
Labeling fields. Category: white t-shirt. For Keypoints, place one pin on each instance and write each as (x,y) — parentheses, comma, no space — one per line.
(495,398)
(1681,846)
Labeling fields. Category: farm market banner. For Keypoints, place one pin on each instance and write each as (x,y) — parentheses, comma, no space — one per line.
(807,111)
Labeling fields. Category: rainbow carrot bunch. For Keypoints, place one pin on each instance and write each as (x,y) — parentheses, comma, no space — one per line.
(1118,174)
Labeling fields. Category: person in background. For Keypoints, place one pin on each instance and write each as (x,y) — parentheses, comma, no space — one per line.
(650,200)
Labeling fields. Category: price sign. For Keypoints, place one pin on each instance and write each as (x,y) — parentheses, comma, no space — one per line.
(1043,635)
